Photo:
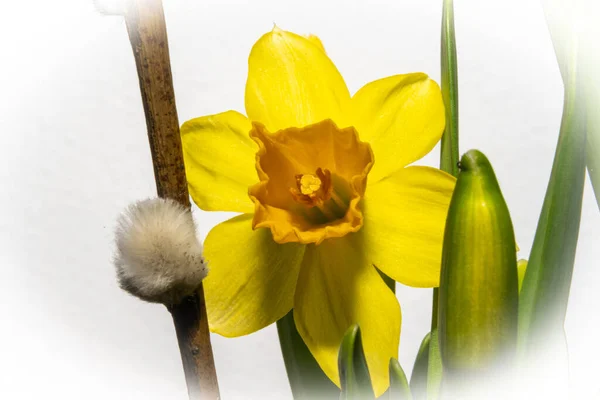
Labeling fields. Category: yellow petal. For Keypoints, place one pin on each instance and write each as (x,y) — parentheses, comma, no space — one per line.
(316,40)
(404,220)
(251,279)
(219,161)
(402,117)
(292,83)
(338,287)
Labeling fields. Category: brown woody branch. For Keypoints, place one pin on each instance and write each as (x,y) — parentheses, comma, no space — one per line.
(148,35)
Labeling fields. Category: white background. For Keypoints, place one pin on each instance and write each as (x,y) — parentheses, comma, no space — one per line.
(74,153)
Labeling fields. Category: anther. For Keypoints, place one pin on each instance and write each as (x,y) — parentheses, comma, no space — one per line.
(309,184)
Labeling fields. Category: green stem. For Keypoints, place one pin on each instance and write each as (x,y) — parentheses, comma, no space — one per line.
(307,380)
(434,308)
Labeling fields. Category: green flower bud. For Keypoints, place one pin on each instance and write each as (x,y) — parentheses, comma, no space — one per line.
(478,285)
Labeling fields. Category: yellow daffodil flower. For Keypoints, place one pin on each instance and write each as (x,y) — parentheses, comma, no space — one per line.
(323,184)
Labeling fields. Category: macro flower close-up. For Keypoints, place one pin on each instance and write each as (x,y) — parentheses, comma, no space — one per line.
(300,200)
(327,197)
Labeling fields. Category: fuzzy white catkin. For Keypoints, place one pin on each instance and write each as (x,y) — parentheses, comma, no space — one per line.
(159,258)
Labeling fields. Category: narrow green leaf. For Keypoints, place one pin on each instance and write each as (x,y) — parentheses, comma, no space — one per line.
(593,141)
(418,378)
(399,389)
(545,291)
(479,284)
(449,149)
(449,145)
(306,378)
(434,367)
(354,373)
(591,84)
(573,24)
(589,63)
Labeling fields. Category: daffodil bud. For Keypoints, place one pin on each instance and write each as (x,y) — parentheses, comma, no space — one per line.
(159,258)
(478,285)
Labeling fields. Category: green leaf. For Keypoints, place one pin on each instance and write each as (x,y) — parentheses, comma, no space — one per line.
(545,291)
(388,281)
(479,285)
(434,367)
(354,374)
(449,147)
(591,83)
(593,141)
(399,389)
(306,378)
(418,378)
(574,29)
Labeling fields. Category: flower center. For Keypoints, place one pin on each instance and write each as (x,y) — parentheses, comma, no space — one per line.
(321,199)
(312,190)
(312,180)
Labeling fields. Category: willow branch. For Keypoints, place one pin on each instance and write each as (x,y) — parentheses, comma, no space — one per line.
(148,36)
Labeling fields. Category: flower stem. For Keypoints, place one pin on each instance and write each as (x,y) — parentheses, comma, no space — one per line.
(434,308)
(148,36)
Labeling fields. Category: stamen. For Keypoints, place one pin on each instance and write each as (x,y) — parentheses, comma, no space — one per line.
(312,189)
(309,184)
(316,192)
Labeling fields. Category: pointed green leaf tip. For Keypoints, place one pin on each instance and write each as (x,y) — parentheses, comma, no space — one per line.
(354,373)
(418,378)
(479,274)
(434,367)
(399,389)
